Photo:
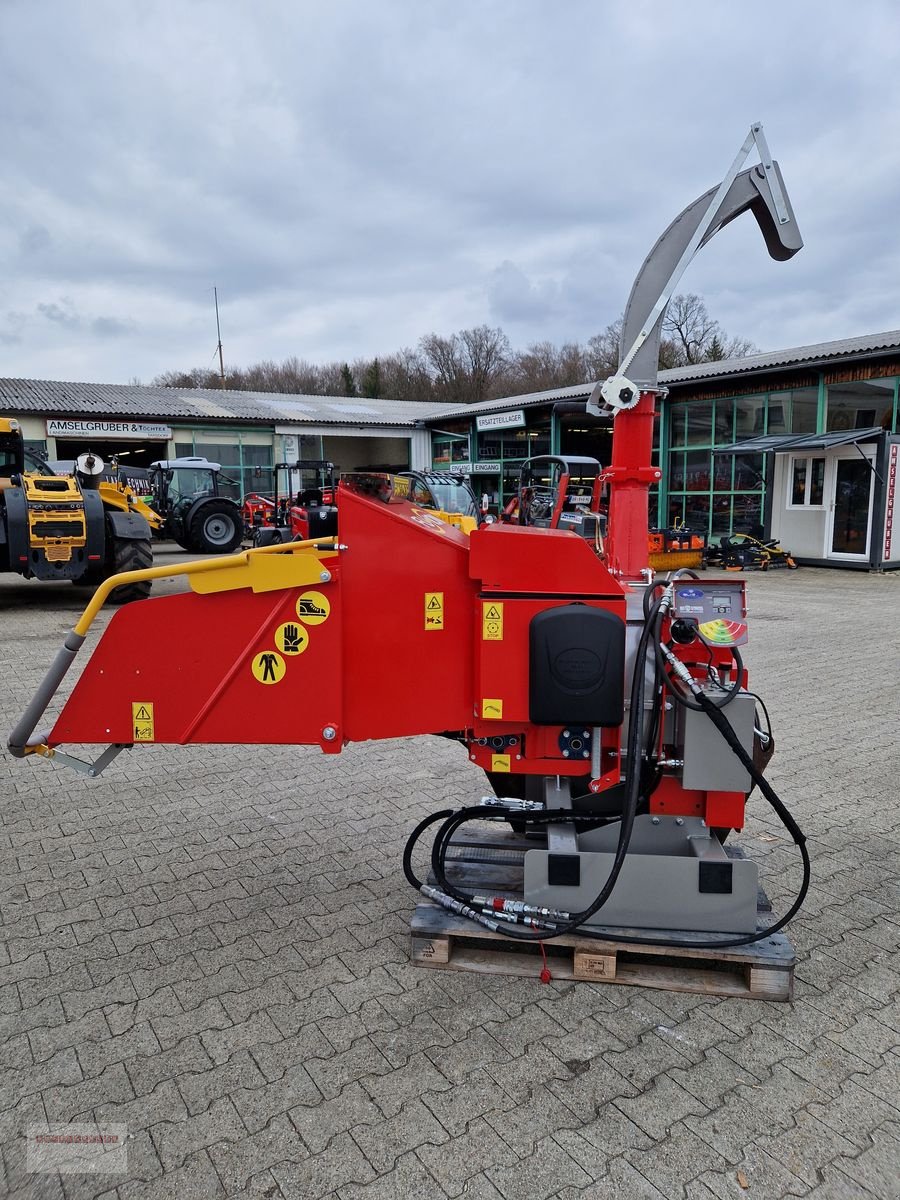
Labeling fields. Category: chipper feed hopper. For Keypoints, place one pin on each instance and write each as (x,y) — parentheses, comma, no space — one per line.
(610,710)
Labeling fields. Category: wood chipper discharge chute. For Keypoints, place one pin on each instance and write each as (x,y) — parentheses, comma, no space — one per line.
(609,710)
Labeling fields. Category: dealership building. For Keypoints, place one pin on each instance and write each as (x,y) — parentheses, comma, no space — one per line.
(797,441)
(247,432)
(800,442)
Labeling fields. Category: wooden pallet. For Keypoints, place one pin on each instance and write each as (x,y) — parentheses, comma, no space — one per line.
(763,970)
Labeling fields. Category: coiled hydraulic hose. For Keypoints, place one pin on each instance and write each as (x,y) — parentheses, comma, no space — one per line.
(629,809)
(453,819)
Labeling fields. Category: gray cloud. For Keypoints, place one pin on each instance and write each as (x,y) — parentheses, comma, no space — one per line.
(354,176)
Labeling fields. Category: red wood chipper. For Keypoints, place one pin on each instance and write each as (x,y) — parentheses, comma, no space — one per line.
(609,708)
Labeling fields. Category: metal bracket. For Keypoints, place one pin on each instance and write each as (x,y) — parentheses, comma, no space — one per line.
(91,769)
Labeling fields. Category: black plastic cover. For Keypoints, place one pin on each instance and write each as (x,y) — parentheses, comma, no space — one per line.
(576,667)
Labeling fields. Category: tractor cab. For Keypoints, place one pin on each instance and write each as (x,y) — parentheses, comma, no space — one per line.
(12,451)
(559,492)
(448,495)
(195,515)
(305,508)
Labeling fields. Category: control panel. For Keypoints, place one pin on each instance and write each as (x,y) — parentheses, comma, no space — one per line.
(716,608)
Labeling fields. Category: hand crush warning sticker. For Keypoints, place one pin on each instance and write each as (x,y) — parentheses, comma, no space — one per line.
(142,724)
(434,610)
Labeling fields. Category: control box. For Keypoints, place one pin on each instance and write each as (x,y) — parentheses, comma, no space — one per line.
(716,607)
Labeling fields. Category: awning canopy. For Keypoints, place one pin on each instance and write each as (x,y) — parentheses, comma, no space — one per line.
(806,441)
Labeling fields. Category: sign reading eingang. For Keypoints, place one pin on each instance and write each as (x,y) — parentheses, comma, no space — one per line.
(134,430)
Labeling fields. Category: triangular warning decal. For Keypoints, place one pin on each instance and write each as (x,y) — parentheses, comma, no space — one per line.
(492,614)
(434,603)
(142,714)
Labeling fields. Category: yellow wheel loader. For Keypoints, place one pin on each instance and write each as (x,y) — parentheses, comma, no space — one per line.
(74,526)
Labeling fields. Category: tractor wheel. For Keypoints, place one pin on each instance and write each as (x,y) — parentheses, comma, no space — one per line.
(216,528)
(130,554)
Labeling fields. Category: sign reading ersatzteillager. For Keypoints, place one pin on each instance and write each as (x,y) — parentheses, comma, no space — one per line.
(505,420)
(134,430)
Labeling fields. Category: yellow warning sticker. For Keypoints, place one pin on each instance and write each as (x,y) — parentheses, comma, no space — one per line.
(142,721)
(268,667)
(434,610)
(291,638)
(313,608)
(499,762)
(492,710)
(400,487)
(492,621)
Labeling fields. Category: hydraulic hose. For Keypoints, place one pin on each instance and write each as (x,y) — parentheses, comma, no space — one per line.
(453,819)
(629,810)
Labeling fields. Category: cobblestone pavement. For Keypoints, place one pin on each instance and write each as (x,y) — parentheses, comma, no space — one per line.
(210,945)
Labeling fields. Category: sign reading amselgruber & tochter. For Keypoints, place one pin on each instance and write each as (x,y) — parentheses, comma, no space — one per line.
(507,420)
(108,429)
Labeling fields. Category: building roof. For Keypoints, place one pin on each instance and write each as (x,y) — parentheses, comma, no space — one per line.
(820,352)
(179,404)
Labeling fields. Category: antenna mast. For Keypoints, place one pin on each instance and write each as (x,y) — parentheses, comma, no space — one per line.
(219,335)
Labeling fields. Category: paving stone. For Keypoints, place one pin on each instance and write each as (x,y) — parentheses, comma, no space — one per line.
(319,1122)
(539,1175)
(237,1162)
(195,1180)
(146,1071)
(806,1147)
(176,1141)
(408,1178)
(417,1077)
(324,1174)
(257,1105)
(331,1075)
(877,1170)
(854,1113)
(455,1162)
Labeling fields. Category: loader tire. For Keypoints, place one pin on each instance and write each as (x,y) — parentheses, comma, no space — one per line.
(131,554)
(216,529)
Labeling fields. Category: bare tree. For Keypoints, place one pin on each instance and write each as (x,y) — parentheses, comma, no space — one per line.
(478,364)
(467,366)
(602,356)
(691,335)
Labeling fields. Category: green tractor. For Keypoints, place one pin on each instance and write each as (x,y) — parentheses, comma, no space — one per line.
(185,493)
(73,526)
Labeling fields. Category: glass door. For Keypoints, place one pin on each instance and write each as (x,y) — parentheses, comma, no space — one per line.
(851,508)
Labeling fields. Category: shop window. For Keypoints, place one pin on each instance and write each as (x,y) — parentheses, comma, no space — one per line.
(678,422)
(749,416)
(723,465)
(676,472)
(748,472)
(794,411)
(229,455)
(697,471)
(699,424)
(184,449)
(806,483)
(860,405)
(724,422)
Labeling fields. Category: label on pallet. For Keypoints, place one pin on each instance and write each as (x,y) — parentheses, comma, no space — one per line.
(492,621)
(142,724)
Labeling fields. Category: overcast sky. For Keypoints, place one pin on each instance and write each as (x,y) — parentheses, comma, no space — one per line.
(354,174)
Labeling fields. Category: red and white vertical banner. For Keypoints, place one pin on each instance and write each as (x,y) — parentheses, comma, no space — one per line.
(889,499)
